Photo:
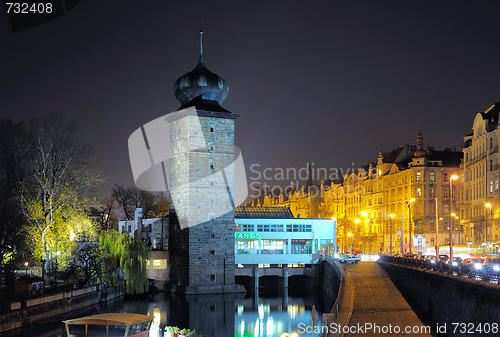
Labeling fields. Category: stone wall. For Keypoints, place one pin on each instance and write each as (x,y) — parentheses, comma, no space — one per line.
(28,311)
(449,299)
(201,174)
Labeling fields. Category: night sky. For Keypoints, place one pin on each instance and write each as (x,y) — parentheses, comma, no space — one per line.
(329,82)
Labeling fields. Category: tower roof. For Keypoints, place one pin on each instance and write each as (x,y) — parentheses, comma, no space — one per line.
(420,152)
(201,87)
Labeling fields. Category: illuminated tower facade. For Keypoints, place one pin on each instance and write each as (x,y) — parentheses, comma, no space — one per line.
(201,181)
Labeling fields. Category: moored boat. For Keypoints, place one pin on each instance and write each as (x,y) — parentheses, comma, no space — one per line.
(111,324)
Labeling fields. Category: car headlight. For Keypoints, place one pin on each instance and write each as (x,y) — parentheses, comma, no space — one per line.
(478,266)
(454,264)
(496,268)
(433,261)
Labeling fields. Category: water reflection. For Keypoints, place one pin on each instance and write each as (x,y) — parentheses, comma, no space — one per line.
(211,315)
(266,317)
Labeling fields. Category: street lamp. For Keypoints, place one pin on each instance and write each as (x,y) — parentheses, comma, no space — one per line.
(356,221)
(352,248)
(409,202)
(488,206)
(453,177)
(366,229)
(390,222)
(437,232)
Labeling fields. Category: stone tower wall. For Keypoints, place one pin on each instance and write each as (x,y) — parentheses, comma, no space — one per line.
(202,176)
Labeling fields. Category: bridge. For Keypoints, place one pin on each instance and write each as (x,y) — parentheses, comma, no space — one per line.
(370,302)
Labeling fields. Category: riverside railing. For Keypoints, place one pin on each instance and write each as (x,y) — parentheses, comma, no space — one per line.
(476,269)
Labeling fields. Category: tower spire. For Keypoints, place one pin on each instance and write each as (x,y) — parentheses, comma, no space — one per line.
(201,45)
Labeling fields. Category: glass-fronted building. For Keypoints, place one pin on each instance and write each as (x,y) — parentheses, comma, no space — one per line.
(280,238)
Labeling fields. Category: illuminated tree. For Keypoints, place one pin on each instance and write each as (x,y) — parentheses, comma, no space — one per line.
(52,234)
(55,197)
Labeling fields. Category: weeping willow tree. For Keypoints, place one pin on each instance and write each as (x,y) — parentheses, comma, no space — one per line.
(124,262)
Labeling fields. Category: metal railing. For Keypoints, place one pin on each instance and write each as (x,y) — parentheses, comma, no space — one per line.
(475,271)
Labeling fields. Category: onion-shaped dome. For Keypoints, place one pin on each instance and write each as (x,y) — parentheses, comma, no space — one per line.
(201,83)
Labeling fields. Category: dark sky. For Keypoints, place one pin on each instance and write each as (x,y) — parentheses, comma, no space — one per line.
(330,82)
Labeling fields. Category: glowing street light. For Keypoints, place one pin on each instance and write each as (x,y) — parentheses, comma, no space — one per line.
(390,222)
(488,206)
(453,177)
(409,202)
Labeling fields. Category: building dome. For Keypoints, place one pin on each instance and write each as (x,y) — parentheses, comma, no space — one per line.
(201,83)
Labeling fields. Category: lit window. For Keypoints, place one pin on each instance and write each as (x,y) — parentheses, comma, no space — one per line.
(419,192)
(419,174)
(432,176)
(160,264)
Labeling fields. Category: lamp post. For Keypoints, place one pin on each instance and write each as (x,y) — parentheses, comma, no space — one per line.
(453,177)
(437,232)
(366,223)
(488,207)
(409,222)
(402,235)
(356,221)
(390,224)
(352,247)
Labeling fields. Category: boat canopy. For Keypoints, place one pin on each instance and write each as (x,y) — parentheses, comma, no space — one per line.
(112,324)
(111,319)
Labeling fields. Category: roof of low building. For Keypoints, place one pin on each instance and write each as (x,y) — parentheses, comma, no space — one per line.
(259,212)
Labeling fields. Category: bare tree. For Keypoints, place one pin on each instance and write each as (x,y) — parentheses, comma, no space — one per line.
(104,213)
(60,182)
(130,198)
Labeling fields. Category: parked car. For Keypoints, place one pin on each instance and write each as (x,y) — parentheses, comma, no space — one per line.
(349,259)
(443,258)
(472,267)
(455,264)
(491,268)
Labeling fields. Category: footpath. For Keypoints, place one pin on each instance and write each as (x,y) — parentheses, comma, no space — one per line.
(379,308)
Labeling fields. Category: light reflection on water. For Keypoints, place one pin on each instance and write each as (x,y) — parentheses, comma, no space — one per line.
(273,316)
(213,316)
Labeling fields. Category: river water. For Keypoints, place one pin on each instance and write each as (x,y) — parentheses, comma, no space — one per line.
(213,316)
